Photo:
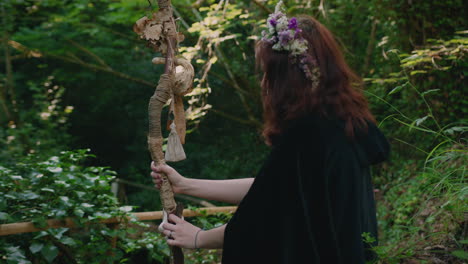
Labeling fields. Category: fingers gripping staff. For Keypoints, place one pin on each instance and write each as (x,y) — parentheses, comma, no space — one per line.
(161,35)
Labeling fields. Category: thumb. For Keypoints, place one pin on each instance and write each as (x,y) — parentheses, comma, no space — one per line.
(164,169)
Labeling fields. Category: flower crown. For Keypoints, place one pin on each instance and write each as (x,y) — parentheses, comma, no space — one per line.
(283,35)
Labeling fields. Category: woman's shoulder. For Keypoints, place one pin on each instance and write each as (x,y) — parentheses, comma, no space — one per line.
(312,129)
(328,134)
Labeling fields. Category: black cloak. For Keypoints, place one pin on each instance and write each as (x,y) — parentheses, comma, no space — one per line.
(312,199)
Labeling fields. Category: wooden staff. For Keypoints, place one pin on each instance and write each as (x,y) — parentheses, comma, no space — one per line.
(161,34)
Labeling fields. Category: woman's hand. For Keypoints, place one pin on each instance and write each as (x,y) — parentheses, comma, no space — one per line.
(178,182)
(181,233)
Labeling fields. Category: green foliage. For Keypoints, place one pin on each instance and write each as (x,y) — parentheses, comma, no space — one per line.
(422,205)
(58,187)
(436,72)
(44,124)
(61,188)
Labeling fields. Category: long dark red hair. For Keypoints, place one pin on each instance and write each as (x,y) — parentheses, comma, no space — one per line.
(287,94)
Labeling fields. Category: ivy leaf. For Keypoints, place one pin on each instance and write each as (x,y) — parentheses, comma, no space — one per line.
(65,200)
(80,194)
(36,247)
(87,205)
(40,222)
(102,215)
(47,190)
(59,213)
(126,208)
(41,234)
(3,216)
(16,177)
(15,255)
(49,252)
(58,232)
(55,169)
(78,212)
(28,195)
(68,241)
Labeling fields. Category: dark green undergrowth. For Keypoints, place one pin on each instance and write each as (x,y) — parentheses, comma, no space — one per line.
(422,190)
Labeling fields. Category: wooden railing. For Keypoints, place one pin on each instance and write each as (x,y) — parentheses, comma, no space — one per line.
(27,227)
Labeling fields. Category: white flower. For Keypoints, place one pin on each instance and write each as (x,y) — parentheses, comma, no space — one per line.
(271,29)
(279,7)
(298,47)
(277,46)
(282,24)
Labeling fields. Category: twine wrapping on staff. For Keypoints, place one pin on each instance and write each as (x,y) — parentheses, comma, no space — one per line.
(155,139)
(161,35)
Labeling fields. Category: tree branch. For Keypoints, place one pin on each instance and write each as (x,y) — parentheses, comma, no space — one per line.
(74,60)
(9,87)
(249,122)
(262,6)
(370,47)
(103,69)
(3,103)
(91,54)
(241,92)
(321,8)
(233,81)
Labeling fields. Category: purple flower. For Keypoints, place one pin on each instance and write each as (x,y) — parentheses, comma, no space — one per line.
(273,22)
(284,37)
(277,15)
(296,34)
(271,40)
(292,23)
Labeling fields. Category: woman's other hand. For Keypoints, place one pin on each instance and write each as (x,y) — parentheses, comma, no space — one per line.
(177,181)
(181,233)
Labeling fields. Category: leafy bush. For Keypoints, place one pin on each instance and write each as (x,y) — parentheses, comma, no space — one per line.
(62,188)
(57,188)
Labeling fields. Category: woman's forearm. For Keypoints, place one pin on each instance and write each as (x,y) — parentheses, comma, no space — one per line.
(229,191)
(212,239)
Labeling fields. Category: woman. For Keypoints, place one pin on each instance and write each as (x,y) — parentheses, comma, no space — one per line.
(313,199)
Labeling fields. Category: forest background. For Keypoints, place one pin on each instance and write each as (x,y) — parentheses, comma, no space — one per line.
(75,81)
